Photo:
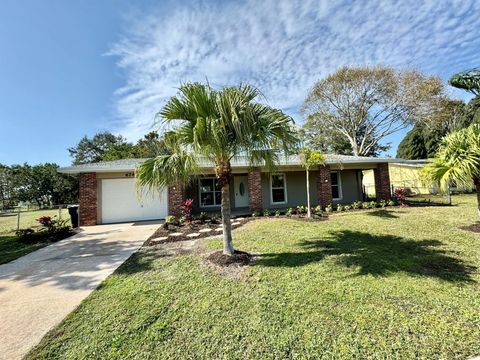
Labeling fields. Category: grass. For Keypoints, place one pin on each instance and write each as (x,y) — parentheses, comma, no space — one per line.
(400,283)
(10,248)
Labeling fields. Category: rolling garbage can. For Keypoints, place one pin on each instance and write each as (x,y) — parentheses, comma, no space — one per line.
(73,211)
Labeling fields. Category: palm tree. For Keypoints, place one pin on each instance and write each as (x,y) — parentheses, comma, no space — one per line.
(310,158)
(458,160)
(218,126)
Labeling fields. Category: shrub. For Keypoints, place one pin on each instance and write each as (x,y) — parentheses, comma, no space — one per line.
(289,212)
(391,202)
(182,220)
(373,204)
(365,205)
(24,234)
(400,194)
(187,206)
(339,208)
(256,213)
(356,205)
(318,210)
(203,216)
(215,219)
(170,219)
(300,210)
(329,208)
(53,225)
(266,212)
(383,204)
(277,213)
(348,207)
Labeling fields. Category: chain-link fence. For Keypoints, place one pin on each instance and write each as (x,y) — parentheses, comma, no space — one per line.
(23,217)
(417,192)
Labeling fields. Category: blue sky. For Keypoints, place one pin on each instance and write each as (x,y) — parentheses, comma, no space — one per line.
(77,67)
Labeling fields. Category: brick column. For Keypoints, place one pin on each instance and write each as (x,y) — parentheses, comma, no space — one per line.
(176,196)
(255,201)
(382,182)
(324,186)
(88,199)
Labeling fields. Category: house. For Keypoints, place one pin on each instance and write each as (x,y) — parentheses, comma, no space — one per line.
(108,193)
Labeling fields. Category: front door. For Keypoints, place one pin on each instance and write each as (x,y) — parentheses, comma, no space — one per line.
(241,190)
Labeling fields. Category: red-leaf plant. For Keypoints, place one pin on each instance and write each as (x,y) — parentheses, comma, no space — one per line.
(187,206)
(400,195)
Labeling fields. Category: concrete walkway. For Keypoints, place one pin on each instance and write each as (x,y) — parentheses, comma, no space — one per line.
(38,290)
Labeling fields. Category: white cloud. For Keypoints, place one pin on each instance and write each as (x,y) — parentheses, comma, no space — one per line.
(283,47)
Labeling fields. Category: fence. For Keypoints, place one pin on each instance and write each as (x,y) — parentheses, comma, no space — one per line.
(418,192)
(22,217)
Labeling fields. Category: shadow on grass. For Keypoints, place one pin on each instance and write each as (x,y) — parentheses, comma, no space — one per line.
(377,255)
(386,214)
(140,261)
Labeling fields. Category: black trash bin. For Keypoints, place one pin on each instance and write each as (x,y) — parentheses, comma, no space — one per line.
(73,211)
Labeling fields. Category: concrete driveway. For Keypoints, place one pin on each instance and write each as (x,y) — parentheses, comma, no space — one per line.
(38,290)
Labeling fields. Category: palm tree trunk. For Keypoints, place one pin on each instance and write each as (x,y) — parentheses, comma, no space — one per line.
(309,212)
(226,223)
(477,186)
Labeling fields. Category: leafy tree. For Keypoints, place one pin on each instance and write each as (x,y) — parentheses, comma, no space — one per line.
(150,145)
(310,159)
(366,104)
(458,160)
(217,125)
(101,147)
(41,184)
(330,140)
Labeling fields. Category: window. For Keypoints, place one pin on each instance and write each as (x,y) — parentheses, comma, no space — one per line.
(278,189)
(210,192)
(336,185)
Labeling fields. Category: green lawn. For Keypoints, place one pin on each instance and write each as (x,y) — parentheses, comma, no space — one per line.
(400,283)
(10,248)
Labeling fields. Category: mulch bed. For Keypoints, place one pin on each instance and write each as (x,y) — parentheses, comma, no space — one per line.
(473,228)
(240,258)
(163,234)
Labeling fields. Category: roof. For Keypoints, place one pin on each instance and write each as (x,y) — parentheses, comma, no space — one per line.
(238,162)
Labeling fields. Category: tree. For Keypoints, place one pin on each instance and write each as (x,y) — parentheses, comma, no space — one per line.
(217,125)
(366,104)
(329,140)
(150,146)
(101,147)
(458,160)
(310,159)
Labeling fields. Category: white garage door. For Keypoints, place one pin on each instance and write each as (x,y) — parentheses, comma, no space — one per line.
(121,202)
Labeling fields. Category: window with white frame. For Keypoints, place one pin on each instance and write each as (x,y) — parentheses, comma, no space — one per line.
(278,189)
(336,185)
(209,192)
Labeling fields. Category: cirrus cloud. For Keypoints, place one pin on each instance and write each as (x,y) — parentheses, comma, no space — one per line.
(283,47)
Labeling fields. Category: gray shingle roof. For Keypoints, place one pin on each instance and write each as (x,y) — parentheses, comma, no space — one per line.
(241,161)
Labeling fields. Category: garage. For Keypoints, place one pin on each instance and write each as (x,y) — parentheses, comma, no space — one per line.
(121,202)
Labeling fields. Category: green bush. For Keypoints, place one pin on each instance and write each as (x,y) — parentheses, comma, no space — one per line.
(340,208)
(329,208)
(348,207)
(277,213)
(356,205)
(383,204)
(289,212)
(266,212)
(373,205)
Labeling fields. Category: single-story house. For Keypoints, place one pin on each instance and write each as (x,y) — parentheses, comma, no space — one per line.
(108,193)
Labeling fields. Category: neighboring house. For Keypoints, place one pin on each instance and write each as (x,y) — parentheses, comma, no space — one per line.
(405,174)
(108,193)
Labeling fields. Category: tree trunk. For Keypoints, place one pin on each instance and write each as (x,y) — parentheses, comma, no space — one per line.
(309,212)
(226,223)
(477,187)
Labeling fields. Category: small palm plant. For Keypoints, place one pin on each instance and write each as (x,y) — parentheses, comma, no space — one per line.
(458,160)
(218,126)
(310,159)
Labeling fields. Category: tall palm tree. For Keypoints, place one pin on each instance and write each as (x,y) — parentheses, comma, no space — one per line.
(217,125)
(458,159)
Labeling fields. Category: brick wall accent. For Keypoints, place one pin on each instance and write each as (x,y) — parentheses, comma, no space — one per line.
(324,186)
(255,201)
(88,199)
(176,195)
(382,182)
